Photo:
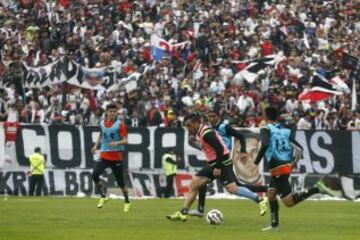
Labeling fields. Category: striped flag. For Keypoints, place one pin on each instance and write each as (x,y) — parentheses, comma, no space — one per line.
(259,66)
(321,89)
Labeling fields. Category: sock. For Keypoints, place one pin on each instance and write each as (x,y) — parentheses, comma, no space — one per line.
(256,188)
(184,211)
(126,196)
(202,197)
(274,209)
(301,196)
(101,189)
(244,192)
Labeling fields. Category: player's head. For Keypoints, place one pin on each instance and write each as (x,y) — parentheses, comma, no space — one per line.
(271,113)
(286,121)
(37,150)
(192,122)
(111,111)
(214,116)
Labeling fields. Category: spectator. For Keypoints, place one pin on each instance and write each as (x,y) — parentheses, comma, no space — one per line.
(224,38)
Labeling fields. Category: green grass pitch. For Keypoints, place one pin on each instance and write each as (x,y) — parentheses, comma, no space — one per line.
(78,218)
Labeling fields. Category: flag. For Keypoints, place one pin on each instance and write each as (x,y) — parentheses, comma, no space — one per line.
(340,85)
(258,66)
(321,89)
(130,82)
(159,47)
(183,48)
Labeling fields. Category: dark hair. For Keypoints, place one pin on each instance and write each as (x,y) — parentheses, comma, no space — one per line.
(271,113)
(111,106)
(214,110)
(37,150)
(194,117)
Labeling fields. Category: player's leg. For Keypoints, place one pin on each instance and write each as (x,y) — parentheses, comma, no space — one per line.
(195,184)
(230,182)
(274,208)
(255,188)
(203,177)
(199,212)
(118,171)
(99,168)
(296,197)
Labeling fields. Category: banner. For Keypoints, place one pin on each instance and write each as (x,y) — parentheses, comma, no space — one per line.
(334,155)
(67,70)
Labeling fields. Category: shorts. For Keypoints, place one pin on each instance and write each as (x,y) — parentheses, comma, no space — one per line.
(281,184)
(116,167)
(227,174)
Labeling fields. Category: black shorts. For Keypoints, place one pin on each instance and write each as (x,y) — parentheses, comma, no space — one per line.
(116,167)
(227,174)
(281,184)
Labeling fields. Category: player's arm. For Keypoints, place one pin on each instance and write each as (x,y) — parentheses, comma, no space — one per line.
(213,141)
(194,143)
(265,139)
(238,135)
(298,149)
(123,133)
(97,143)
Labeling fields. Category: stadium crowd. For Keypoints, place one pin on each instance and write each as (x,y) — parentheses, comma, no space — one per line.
(313,36)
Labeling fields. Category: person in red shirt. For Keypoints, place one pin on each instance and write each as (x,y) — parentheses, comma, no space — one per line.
(112,138)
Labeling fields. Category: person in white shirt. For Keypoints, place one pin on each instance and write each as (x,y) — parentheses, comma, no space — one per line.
(305,122)
(245,103)
(291,104)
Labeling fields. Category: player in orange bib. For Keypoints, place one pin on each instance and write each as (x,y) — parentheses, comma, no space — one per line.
(112,138)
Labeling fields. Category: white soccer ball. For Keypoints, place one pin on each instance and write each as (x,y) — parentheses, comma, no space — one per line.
(214,217)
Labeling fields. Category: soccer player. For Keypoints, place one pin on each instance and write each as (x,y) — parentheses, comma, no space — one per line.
(277,145)
(113,137)
(226,132)
(219,165)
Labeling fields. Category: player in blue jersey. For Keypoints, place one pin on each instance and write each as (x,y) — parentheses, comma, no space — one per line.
(227,132)
(281,152)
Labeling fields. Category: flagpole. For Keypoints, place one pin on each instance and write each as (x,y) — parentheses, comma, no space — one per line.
(353,94)
(63,84)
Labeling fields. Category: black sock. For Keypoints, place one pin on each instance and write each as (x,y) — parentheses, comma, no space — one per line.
(202,197)
(101,189)
(274,209)
(301,196)
(126,195)
(184,211)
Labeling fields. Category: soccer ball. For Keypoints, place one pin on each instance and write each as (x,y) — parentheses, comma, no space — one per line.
(214,217)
